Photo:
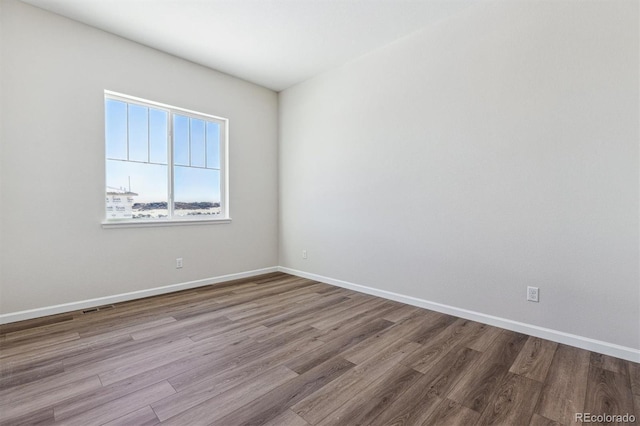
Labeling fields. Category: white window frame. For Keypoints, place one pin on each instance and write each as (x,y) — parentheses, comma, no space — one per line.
(172,220)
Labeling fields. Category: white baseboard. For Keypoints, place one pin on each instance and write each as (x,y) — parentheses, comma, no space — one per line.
(598,346)
(84,304)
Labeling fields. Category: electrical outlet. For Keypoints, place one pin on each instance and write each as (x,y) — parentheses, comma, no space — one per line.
(304,254)
(178,263)
(533,294)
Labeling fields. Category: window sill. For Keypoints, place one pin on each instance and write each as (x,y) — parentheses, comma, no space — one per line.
(151,223)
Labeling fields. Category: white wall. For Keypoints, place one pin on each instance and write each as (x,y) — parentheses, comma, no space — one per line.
(458,165)
(53,249)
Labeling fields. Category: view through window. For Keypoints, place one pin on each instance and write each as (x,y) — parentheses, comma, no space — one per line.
(162,163)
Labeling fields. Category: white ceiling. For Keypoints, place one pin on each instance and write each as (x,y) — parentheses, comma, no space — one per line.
(273,43)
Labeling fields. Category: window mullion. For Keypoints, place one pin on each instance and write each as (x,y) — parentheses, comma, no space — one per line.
(127,130)
(148,136)
(189,140)
(205,143)
(170,165)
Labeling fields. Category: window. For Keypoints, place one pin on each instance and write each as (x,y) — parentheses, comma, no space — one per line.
(163,164)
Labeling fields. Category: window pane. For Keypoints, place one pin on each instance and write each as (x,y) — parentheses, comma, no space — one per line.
(197,191)
(158,136)
(213,145)
(180,140)
(197,143)
(138,133)
(145,184)
(115,122)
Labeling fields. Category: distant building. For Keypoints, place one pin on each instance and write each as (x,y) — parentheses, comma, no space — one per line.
(119,204)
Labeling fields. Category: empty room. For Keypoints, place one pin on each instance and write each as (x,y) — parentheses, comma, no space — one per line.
(319,212)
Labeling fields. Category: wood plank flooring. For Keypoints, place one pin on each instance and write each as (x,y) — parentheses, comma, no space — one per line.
(281,350)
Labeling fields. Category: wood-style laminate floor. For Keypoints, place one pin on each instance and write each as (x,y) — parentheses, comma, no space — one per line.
(281,350)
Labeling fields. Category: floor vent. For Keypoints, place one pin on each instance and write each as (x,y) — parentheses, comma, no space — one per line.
(98,308)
